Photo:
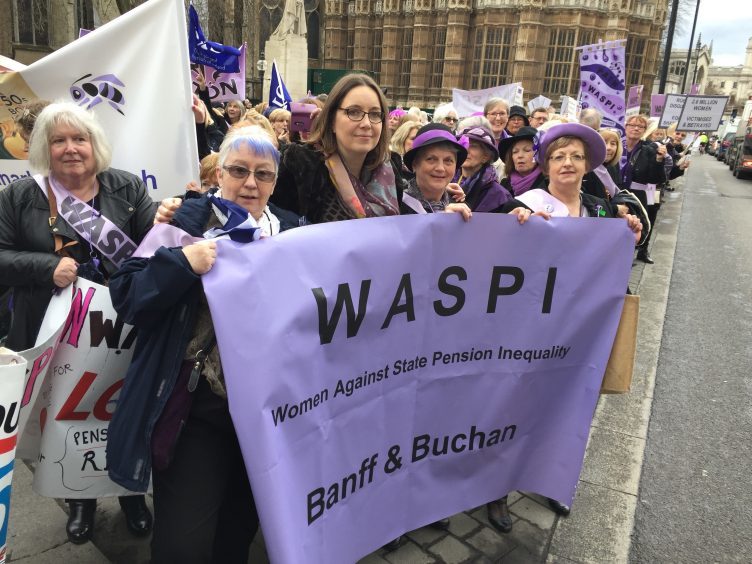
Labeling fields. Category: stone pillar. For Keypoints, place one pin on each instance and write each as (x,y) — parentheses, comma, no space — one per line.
(362,46)
(530,52)
(458,46)
(420,72)
(335,35)
(6,30)
(389,51)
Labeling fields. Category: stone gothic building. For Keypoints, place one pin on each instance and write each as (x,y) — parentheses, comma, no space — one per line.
(420,49)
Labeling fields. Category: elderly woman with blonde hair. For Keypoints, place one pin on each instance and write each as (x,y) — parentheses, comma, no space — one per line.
(43,246)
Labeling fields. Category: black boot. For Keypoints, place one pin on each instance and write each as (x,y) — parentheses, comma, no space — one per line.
(441,524)
(558,508)
(137,515)
(80,524)
(498,515)
(644,255)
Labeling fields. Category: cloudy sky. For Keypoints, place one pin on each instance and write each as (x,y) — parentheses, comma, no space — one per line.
(727,22)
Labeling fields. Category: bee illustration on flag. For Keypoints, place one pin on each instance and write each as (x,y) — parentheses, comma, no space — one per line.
(88,92)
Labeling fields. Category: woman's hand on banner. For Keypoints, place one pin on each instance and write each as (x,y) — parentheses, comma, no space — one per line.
(523,214)
(65,272)
(166,210)
(201,256)
(635,225)
(461,209)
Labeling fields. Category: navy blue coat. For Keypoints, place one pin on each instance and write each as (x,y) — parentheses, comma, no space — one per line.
(160,297)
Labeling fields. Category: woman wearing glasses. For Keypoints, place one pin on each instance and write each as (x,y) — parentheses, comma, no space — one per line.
(642,171)
(496,112)
(446,115)
(173,420)
(342,171)
(567,152)
(477,175)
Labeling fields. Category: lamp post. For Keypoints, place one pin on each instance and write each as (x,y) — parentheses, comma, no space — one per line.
(689,49)
(261,68)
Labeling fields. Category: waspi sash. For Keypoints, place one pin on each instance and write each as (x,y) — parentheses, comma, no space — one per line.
(89,223)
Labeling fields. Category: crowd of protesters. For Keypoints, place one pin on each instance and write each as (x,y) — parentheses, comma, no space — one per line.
(357,160)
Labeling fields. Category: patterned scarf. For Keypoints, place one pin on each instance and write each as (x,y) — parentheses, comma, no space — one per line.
(375,197)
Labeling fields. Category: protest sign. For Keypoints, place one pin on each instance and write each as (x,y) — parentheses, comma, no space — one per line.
(702,113)
(393,379)
(468,102)
(12,369)
(570,108)
(672,108)
(538,102)
(222,86)
(91,355)
(133,72)
(657,102)
(36,383)
(634,99)
(602,73)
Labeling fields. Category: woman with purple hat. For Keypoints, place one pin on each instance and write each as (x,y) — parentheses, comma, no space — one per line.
(433,159)
(477,176)
(518,153)
(567,152)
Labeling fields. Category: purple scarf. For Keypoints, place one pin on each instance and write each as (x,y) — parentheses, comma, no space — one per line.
(521,184)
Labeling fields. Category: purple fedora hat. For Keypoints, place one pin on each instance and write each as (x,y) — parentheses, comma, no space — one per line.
(596,147)
(432,134)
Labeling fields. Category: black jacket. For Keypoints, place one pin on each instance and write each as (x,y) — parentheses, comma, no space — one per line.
(304,185)
(160,297)
(27,245)
(645,169)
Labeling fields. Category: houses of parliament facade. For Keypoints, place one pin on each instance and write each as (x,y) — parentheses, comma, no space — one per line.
(418,50)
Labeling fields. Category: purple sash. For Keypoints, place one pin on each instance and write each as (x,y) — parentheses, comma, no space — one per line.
(649,190)
(89,223)
(608,182)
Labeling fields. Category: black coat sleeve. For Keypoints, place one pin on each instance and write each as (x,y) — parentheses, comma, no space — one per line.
(20,267)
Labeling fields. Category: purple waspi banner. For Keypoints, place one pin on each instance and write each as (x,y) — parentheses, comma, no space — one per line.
(602,76)
(386,373)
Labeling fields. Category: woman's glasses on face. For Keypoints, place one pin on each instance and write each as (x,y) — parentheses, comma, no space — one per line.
(354,114)
(560,159)
(496,115)
(241,173)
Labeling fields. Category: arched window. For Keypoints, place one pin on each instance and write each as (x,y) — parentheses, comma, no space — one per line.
(271,15)
(313,19)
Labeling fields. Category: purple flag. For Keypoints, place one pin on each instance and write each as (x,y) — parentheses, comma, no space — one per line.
(657,102)
(222,86)
(602,74)
(381,377)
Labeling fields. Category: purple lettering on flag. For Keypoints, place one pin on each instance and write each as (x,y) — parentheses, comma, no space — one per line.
(381,377)
(602,81)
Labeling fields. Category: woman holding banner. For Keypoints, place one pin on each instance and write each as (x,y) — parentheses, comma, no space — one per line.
(173,418)
(77,217)
(342,171)
(566,153)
